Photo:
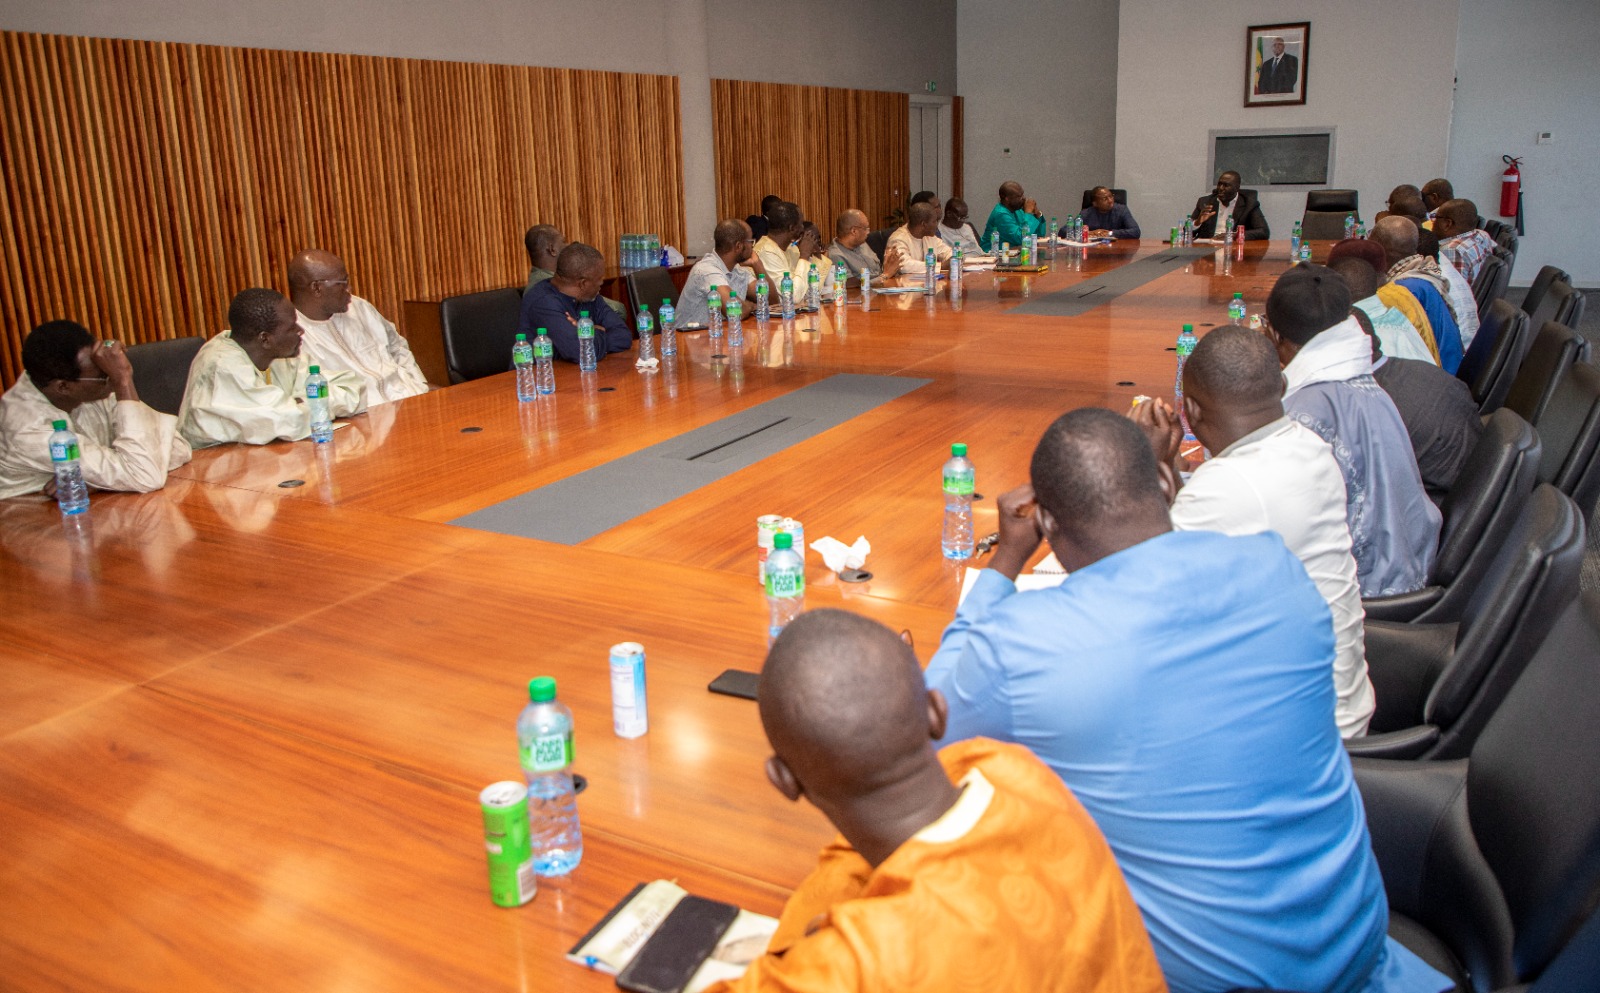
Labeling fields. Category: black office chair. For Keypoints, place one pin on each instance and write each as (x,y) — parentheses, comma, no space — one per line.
(1118,196)
(1494,275)
(1479,513)
(1492,227)
(1507,239)
(1495,355)
(1510,258)
(879,240)
(650,287)
(1540,286)
(479,330)
(161,370)
(1325,214)
(1438,684)
(1569,431)
(1492,864)
(1555,348)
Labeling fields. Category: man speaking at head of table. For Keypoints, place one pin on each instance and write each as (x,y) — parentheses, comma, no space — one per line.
(971,867)
(1181,684)
(558,303)
(1014,217)
(1229,201)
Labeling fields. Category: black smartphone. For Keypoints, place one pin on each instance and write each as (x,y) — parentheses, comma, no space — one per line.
(736,682)
(684,940)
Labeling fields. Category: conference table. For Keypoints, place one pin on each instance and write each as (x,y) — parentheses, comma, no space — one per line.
(246,718)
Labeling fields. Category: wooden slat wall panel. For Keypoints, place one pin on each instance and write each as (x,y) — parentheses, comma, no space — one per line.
(142,184)
(958,147)
(826,149)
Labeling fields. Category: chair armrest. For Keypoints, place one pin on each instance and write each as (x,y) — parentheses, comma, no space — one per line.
(1407,744)
(1403,662)
(1401,606)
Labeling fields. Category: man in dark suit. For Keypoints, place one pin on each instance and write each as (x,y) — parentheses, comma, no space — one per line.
(1244,206)
(1279,73)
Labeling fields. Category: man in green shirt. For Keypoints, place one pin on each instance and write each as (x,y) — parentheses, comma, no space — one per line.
(1014,217)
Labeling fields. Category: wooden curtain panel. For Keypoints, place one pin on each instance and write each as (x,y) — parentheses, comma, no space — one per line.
(144,183)
(958,145)
(826,149)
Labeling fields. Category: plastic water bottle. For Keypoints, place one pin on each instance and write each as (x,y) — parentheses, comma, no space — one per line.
(786,296)
(763,306)
(1188,231)
(1305,251)
(668,316)
(544,365)
(1349,226)
(1294,242)
(586,356)
(317,403)
(522,364)
(72,494)
(1236,308)
(931,275)
(1186,343)
(785,583)
(735,323)
(841,283)
(955,266)
(959,478)
(647,328)
(714,316)
(866,286)
(544,739)
(814,289)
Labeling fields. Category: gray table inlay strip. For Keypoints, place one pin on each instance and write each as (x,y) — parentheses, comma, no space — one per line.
(1103,287)
(579,507)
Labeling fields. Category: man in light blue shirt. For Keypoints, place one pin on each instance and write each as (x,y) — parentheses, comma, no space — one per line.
(1180,684)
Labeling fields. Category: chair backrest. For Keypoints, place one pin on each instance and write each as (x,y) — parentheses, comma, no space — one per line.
(1541,285)
(161,370)
(1507,239)
(650,287)
(1481,508)
(1569,303)
(1492,362)
(1531,799)
(479,330)
(1494,275)
(1531,580)
(1509,257)
(1555,348)
(1342,201)
(1119,196)
(1492,227)
(1322,225)
(1570,434)
(879,240)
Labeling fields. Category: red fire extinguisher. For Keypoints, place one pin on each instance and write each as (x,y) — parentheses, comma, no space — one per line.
(1511,191)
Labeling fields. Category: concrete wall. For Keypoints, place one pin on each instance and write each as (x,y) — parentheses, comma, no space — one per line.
(1039,77)
(1387,91)
(1524,68)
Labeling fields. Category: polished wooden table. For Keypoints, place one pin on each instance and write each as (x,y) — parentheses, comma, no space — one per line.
(245,724)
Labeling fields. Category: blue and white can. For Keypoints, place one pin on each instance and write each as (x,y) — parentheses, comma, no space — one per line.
(628,715)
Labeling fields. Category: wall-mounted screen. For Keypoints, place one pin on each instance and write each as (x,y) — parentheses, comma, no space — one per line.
(1275,159)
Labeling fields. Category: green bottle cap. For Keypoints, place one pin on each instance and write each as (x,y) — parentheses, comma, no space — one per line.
(59,425)
(782,539)
(666,301)
(523,337)
(959,450)
(540,331)
(315,370)
(542,689)
(583,313)
(1189,328)
(1238,296)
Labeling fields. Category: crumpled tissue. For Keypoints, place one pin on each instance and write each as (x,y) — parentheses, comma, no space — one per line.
(840,556)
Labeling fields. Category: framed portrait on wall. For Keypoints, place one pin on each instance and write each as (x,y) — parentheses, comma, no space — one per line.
(1275,57)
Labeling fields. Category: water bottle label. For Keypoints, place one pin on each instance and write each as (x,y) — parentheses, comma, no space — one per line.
(548,753)
(959,483)
(542,348)
(63,453)
(783,584)
(316,391)
(586,330)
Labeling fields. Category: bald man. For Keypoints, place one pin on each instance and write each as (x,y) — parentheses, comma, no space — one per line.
(918,236)
(1267,473)
(970,866)
(1397,319)
(1201,739)
(1435,192)
(343,331)
(1423,279)
(544,244)
(850,248)
(1013,217)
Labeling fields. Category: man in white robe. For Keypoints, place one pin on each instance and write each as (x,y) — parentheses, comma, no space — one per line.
(346,332)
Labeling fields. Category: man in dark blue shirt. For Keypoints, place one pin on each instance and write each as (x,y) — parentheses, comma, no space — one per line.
(557,303)
(1105,218)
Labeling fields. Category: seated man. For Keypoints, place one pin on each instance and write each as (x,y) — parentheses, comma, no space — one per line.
(544,244)
(343,331)
(1327,369)
(1458,291)
(1267,473)
(918,236)
(1179,683)
(809,253)
(777,249)
(851,249)
(68,376)
(758,222)
(978,845)
(1397,318)
(1229,201)
(1013,218)
(248,384)
(1105,218)
(1424,280)
(1435,193)
(718,273)
(1400,192)
(1460,238)
(955,229)
(926,196)
(557,303)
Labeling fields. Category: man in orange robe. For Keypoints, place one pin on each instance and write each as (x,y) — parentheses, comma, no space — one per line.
(973,868)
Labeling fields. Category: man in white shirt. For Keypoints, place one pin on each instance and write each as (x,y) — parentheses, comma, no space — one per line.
(123,444)
(719,272)
(346,332)
(917,236)
(776,250)
(955,229)
(249,384)
(1268,473)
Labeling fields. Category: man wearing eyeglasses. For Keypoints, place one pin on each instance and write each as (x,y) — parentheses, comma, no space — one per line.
(343,331)
(850,247)
(123,444)
(557,303)
(956,230)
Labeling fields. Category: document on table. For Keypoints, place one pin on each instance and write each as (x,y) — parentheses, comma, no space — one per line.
(1035,580)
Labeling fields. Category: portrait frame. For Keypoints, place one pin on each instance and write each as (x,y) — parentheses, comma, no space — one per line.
(1270,81)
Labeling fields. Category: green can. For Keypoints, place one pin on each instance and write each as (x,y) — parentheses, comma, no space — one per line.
(512,881)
